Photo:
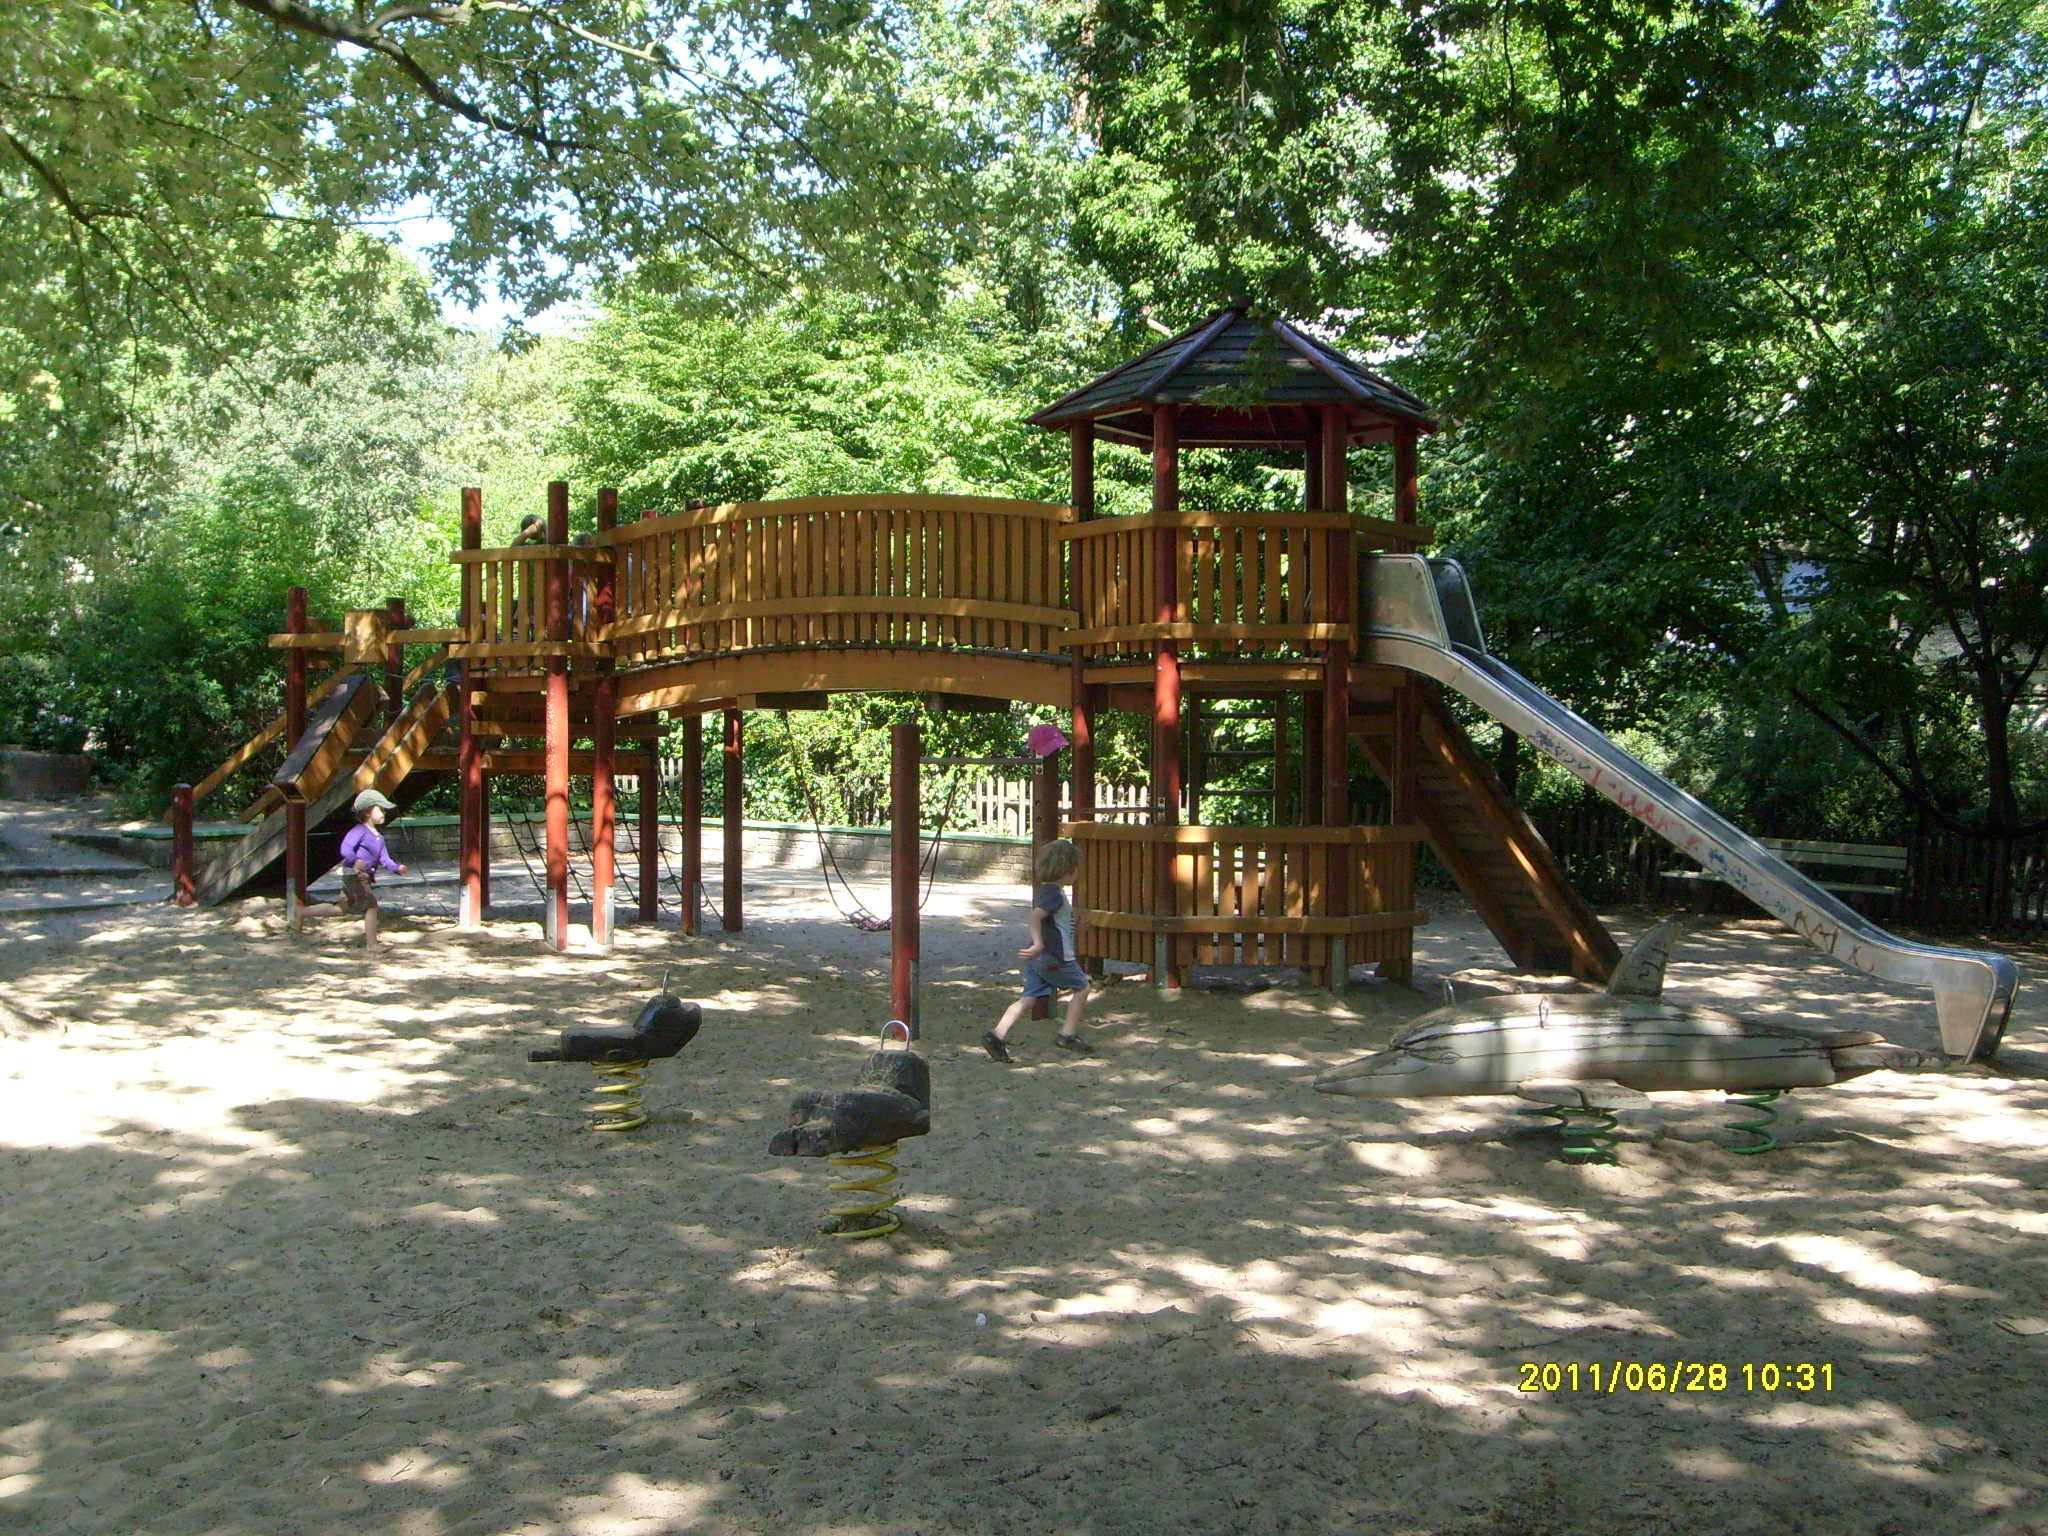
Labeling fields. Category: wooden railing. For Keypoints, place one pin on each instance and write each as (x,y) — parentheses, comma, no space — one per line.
(504,603)
(1245,895)
(1245,582)
(932,571)
(945,572)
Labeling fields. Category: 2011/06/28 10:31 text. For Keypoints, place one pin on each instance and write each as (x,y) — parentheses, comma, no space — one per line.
(1676,1376)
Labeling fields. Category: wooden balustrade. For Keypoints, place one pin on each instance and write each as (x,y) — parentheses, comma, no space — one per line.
(930,571)
(1246,895)
(1250,583)
(943,572)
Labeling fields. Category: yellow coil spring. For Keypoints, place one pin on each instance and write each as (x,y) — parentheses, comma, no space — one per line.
(618,1090)
(874,1185)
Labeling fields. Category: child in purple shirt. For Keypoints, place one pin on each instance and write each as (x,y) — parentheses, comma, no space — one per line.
(362,854)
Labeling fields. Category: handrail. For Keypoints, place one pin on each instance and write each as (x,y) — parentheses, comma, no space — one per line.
(746,511)
(239,758)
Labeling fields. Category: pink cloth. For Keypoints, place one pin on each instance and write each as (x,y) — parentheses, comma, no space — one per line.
(1044,740)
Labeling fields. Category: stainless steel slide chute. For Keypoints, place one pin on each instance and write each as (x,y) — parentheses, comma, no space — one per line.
(1418,613)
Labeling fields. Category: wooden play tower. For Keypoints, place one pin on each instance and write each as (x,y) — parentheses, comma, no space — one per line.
(572,658)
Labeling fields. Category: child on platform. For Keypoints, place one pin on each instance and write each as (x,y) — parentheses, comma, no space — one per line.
(1049,964)
(363,853)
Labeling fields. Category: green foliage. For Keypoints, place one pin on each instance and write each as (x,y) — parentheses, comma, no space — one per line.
(827,397)
(1735,312)
(308,462)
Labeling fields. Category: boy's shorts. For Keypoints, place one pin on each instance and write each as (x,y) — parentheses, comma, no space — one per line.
(358,895)
(1044,976)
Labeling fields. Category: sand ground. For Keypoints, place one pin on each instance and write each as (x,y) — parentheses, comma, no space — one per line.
(298,1242)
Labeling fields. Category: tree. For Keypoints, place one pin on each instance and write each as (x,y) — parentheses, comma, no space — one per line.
(1736,314)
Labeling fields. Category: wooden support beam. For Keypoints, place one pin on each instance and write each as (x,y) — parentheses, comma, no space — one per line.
(295,622)
(184,888)
(395,625)
(735,834)
(693,821)
(555,910)
(604,719)
(1166,609)
(1341,565)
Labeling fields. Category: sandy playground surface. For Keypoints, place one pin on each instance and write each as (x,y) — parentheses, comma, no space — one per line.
(297,1243)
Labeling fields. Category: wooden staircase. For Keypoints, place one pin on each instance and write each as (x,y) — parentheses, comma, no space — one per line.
(403,763)
(1497,857)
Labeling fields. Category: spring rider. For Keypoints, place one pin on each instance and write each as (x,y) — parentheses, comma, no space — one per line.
(859,1128)
(620,1054)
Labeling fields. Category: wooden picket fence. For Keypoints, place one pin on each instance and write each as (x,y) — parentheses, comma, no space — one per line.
(1960,884)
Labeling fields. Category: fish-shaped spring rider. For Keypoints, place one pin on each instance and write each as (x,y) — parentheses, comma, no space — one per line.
(620,1054)
(859,1128)
(1585,1055)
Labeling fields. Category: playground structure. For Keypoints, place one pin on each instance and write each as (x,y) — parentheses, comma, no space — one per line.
(1316,614)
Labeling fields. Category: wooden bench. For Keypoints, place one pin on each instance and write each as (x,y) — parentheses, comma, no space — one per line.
(1875,862)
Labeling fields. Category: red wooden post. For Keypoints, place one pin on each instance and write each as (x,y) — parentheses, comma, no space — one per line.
(693,819)
(294,728)
(395,622)
(603,728)
(735,751)
(1081,759)
(1045,826)
(555,909)
(1166,766)
(905,837)
(1406,754)
(184,889)
(474,837)
(1341,561)
(1312,462)
(484,859)
(1405,487)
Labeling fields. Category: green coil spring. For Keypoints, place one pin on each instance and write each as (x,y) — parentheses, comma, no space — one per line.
(1758,1100)
(1584,1135)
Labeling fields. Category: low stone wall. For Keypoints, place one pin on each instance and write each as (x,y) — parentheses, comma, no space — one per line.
(43,775)
(766,845)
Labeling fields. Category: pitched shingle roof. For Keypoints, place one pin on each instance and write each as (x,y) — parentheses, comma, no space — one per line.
(1241,381)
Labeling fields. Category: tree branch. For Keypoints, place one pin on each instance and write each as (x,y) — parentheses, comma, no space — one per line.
(298,19)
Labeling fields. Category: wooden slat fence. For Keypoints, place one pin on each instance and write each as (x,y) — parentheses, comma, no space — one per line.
(1246,895)
(1953,883)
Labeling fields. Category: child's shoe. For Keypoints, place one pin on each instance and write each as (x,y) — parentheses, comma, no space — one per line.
(993,1044)
(1075,1044)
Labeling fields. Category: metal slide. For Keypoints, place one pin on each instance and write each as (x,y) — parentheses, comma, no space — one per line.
(1419,614)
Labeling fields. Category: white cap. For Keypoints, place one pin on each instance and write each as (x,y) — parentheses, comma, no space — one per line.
(370,797)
